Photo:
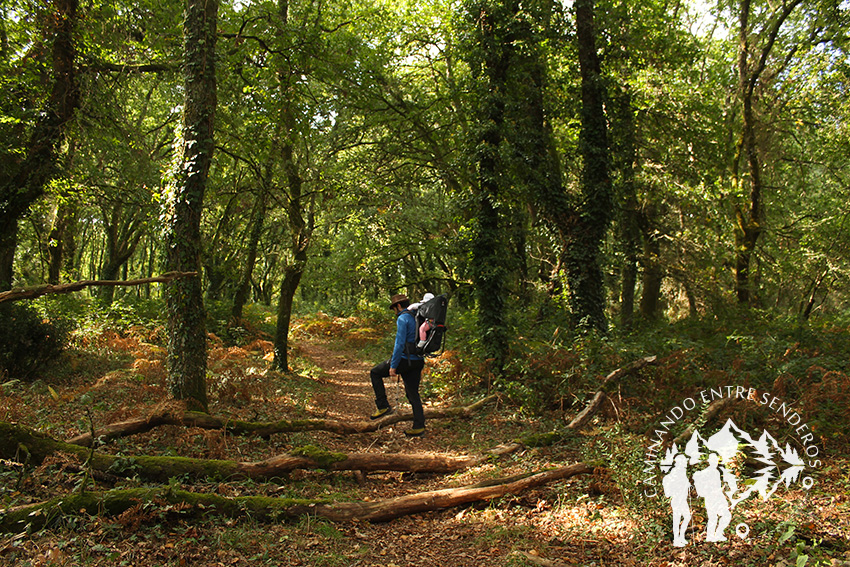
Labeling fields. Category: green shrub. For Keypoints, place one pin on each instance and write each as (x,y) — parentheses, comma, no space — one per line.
(28,342)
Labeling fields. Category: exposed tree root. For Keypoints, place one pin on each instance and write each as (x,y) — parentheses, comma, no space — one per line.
(264,429)
(118,502)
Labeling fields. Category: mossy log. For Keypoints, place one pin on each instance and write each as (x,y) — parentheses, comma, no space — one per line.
(115,502)
(23,444)
(265,428)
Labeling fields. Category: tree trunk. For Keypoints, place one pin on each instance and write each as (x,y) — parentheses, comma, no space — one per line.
(186,328)
(288,287)
(653,277)
(8,245)
(122,237)
(55,245)
(490,271)
(537,161)
(750,219)
(301,228)
(217,259)
(587,295)
(301,231)
(257,220)
(21,186)
(627,291)
(624,158)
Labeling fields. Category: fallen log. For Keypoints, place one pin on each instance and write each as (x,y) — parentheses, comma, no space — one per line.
(45,289)
(264,429)
(115,502)
(16,441)
(446,498)
(599,397)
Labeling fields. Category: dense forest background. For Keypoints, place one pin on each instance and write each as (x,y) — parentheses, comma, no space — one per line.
(590,183)
(558,170)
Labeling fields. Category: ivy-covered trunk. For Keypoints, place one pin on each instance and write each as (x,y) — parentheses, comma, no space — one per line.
(187,356)
(490,55)
(749,219)
(584,272)
(301,229)
(624,159)
(580,225)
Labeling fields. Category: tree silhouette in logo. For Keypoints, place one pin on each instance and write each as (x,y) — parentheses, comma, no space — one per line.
(715,482)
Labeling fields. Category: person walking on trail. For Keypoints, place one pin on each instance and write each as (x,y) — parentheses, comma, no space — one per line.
(403,362)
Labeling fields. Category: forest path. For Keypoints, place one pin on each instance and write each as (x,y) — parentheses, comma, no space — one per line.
(350,396)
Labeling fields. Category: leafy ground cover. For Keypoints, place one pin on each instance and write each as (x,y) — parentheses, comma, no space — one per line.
(595,520)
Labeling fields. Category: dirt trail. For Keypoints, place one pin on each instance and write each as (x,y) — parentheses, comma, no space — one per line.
(350,397)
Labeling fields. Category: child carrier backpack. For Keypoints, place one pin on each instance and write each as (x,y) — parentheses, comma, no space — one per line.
(431,326)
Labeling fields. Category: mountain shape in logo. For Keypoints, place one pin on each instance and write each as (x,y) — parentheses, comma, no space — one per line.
(731,441)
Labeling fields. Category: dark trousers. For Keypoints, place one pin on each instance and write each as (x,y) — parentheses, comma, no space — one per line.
(411,376)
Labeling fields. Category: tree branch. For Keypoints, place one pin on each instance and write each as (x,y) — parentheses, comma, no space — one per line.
(596,402)
(133,67)
(45,289)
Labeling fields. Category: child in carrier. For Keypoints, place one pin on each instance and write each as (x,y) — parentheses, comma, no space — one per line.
(426,325)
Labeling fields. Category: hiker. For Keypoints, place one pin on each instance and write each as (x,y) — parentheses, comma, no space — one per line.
(403,362)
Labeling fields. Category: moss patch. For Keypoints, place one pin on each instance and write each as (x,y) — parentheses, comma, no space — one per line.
(324,458)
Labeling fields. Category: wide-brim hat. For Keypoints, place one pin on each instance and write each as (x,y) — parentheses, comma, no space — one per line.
(396,299)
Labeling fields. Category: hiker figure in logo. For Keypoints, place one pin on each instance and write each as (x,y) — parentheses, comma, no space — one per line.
(676,487)
(709,485)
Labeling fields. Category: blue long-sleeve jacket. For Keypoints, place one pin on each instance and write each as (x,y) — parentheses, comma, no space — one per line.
(405,333)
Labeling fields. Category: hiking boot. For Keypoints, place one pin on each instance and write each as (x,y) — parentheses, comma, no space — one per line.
(416,432)
(379,413)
